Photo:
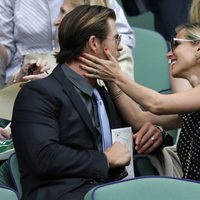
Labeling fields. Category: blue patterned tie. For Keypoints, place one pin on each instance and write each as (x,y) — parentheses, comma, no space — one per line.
(103,119)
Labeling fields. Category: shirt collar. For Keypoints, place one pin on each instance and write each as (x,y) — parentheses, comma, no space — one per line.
(77,80)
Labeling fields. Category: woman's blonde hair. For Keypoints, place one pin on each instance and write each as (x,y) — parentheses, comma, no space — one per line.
(192,30)
(194,13)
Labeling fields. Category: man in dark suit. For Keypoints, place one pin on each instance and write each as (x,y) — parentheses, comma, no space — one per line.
(55,129)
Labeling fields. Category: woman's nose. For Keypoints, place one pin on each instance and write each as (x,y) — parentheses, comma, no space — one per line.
(169,54)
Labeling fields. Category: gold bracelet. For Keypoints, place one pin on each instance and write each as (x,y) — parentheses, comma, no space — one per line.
(14,78)
(116,95)
(18,76)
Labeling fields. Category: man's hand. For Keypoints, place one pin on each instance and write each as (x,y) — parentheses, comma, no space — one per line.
(118,155)
(148,138)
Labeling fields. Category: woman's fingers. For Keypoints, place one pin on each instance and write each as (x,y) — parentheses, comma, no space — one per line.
(147,139)
(105,69)
(92,58)
(99,60)
(35,76)
(44,69)
(89,69)
(41,66)
(89,62)
(109,55)
(91,72)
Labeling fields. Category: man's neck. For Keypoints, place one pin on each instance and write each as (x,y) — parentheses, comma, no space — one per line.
(75,66)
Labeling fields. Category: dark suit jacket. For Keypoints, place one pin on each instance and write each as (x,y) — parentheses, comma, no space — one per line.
(55,140)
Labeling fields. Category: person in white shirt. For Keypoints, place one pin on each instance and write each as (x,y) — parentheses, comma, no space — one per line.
(29,28)
(3,63)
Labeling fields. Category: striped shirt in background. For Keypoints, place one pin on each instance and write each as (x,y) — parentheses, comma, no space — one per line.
(27,26)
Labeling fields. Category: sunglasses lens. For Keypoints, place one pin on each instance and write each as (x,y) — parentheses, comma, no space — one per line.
(118,39)
(174,44)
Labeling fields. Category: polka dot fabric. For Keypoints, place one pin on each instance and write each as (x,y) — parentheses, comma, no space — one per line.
(190,129)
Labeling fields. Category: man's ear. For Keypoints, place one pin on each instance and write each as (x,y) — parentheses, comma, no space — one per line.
(198,47)
(198,52)
(93,43)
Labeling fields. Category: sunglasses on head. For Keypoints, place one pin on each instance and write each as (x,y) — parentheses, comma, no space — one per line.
(176,41)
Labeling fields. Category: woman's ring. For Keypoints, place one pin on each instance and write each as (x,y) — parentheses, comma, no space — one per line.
(152,138)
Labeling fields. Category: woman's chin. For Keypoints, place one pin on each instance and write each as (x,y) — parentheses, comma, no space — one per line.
(175,74)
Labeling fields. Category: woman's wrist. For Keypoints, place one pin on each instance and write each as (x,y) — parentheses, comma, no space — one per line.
(116,94)
(119,78)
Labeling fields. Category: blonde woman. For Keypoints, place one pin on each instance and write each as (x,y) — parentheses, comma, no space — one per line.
(180,85)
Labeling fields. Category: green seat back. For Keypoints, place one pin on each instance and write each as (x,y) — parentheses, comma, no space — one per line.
(144,20)
(5,178)
(15,174)
(151,188)
(7,193)
(151,63)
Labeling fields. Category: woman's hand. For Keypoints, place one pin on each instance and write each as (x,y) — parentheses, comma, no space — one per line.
(35,69)
(148,138)
(100,68)
(4,133)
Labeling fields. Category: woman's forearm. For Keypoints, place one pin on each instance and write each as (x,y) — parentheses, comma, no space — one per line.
(129,109)
(146,97)
(134,115)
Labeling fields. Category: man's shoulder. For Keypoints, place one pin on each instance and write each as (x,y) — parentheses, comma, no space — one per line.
(38,84)
(46,86)
(38,93)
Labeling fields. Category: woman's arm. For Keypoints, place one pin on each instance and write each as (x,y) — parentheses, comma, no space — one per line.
(160,103)
(135,116)
(149,99)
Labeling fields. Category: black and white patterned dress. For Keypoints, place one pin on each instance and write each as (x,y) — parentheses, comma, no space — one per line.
(189,141)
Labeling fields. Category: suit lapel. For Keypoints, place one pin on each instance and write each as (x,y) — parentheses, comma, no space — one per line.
(74,97)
